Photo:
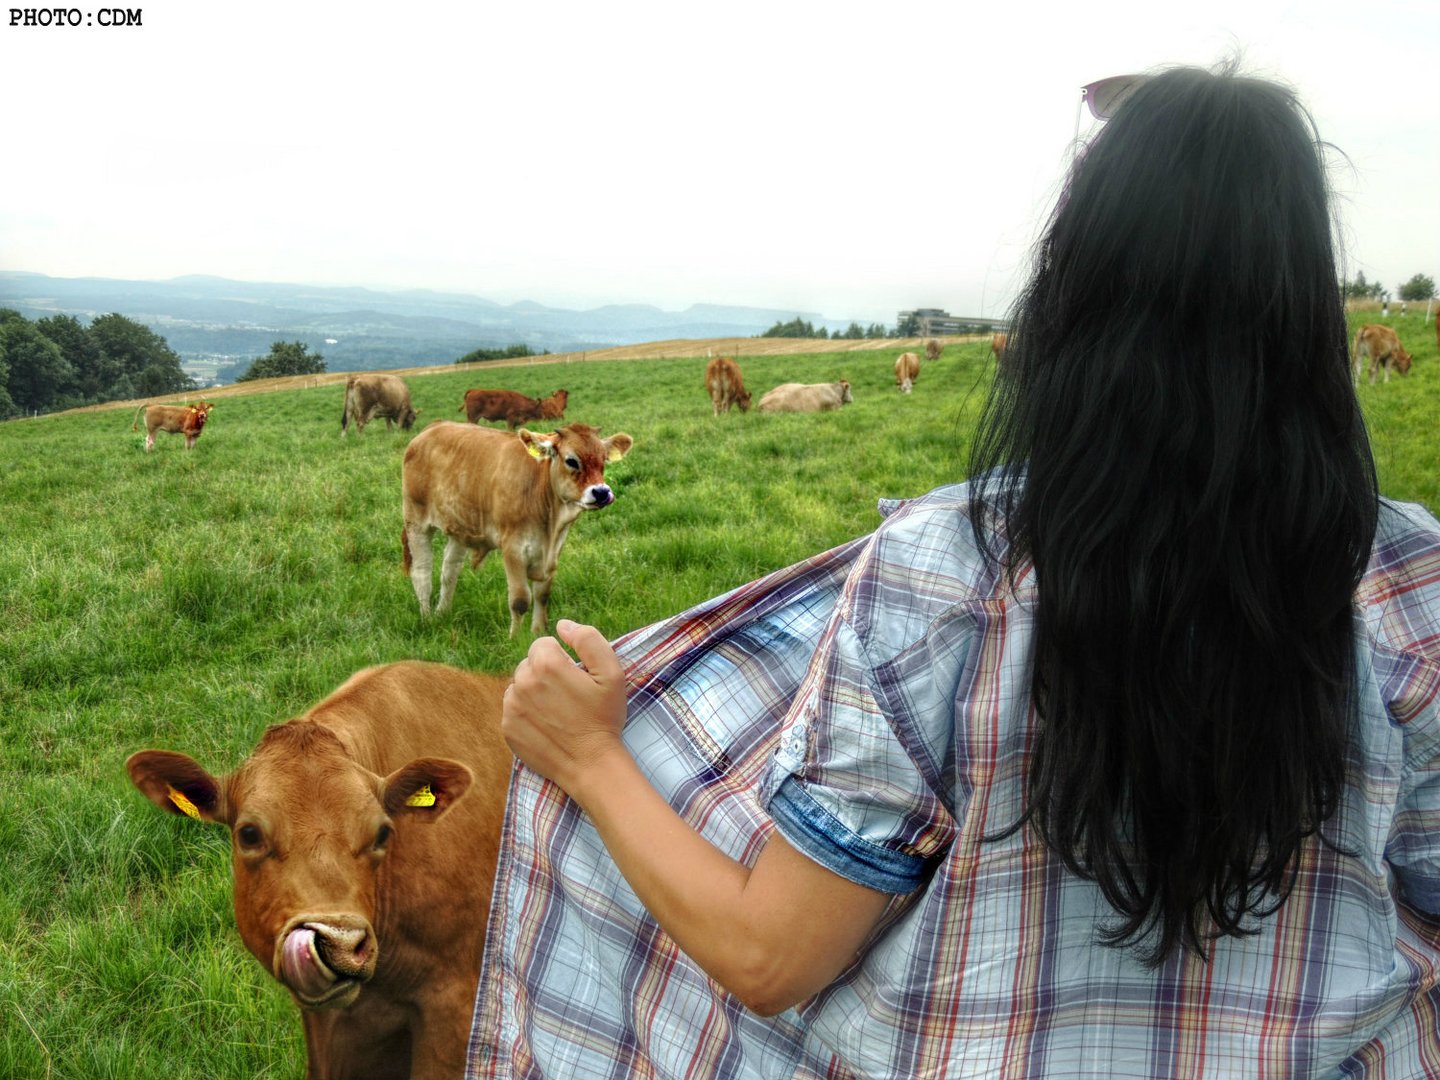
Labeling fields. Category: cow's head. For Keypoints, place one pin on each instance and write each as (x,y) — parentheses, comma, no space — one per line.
(1402,360)
(845,398)
(310,831)
(407,417)
(577,457)
(742,398)
(199,413)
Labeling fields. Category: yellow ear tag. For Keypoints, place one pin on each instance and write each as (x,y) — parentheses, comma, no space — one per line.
(535,451)
(423,797)
(184,805)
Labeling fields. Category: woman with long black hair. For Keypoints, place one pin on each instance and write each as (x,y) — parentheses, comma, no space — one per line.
(1121,759)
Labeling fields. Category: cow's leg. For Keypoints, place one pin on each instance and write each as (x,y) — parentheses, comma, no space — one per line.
(540,590)
(150,440)
(517,579)
(422,557)
(450,568)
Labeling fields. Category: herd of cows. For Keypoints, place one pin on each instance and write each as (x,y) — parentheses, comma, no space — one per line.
(364,833)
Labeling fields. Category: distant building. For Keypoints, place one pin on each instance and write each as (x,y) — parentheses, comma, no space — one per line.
(933,322)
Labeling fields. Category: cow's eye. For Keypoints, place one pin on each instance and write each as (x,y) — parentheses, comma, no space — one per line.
(382,838)
(573,464)
(249,836)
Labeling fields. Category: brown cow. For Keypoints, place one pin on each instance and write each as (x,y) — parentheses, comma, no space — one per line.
(1381,347)
(487,489)
(369,396)
(932,350)
(998,342)
(188,420)
(806,397)
(907,371)
(726,387)
(363,843)
(512,407)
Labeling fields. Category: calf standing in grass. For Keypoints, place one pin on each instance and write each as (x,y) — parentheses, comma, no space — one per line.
(726,387)
(363,843)
(487,489)
(907,371)
(187,420)
(371,395)
(513,407)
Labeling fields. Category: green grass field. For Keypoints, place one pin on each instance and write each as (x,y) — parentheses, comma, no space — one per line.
(186,600)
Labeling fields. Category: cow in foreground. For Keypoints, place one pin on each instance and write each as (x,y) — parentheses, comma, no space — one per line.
(806,397)
(369,396)
(932,350)
(363,839)
(907,371)
(726,387)
(487,489)
(512,407)
(1380,346)
(187,420)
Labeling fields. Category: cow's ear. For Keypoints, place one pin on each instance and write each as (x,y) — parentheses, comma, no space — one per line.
(177,784)
(540,446)
(425,788)
(617,446)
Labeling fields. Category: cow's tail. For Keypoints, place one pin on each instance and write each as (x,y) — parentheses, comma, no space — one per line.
(135,424)
(405,549)
(345,408)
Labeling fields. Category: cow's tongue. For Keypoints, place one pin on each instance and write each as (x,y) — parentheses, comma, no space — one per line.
(301,967)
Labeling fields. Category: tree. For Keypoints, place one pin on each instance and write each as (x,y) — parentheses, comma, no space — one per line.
(91,373)
(1419,287)
(876,331)
(129,350)
(909,328)
(285,358)
(38,371)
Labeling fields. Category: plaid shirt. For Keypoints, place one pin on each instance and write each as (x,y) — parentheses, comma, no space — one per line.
(873,704)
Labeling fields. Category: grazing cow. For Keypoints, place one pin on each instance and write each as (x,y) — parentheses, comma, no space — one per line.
(512,407)
(188,420)
(1381,347)
(363,843)
(726,387)
(806,397)
(487,489)
(907,371)
(997,346)
(369,396)
(932,350)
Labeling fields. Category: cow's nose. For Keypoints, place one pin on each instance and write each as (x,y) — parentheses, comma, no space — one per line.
(347,949)
(602,495)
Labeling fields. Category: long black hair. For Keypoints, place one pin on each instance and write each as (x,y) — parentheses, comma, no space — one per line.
(1174,442)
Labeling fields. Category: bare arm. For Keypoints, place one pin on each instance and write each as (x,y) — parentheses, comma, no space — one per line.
(773,934)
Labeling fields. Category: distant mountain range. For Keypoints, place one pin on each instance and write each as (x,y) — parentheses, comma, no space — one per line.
(215,323)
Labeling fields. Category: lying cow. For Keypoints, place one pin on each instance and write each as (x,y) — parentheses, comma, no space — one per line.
(187,420)
(932,350)
(726,387)
(487,489)
(369,396)
(907,371)
(512,407)
(806,397)
(1381,347)
(363,843)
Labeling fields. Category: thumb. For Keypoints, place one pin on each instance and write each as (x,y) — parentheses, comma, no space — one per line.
(591,647)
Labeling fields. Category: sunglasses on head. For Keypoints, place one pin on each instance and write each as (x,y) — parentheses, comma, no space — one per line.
(1104,96)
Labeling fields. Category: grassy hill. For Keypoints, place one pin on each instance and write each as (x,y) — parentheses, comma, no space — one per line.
(186,600)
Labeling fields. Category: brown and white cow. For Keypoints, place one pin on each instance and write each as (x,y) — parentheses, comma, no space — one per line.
(907,371)
(487,489)
(1381,347)
(187,420)
(513,407)
(369,396)
(725,385)
(363,842)
(932,350)
(998,342)
(806,397)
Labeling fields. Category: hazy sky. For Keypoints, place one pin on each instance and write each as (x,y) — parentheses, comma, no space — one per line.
(842,158)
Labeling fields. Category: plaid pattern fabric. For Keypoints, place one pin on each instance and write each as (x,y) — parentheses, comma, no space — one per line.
(874,700)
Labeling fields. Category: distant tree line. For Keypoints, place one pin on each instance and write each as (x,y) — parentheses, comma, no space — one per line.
(1419,287)
(508,352)
(802,328)
(284,358)
(60,363)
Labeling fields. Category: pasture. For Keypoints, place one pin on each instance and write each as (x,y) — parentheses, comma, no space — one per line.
(186,600)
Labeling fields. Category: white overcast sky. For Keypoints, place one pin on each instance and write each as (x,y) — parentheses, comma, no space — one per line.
(842,158)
